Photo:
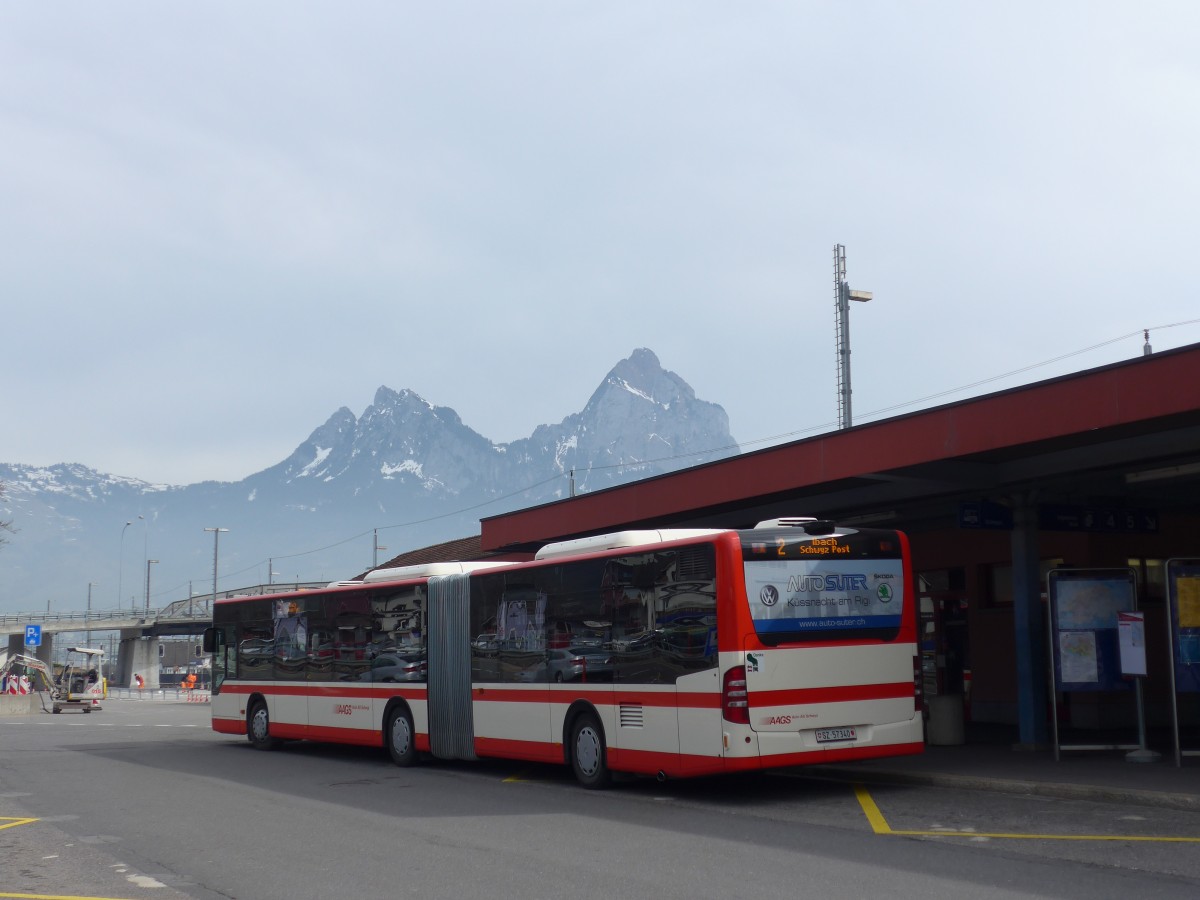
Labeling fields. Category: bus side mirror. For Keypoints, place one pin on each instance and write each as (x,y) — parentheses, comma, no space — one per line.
(213,640)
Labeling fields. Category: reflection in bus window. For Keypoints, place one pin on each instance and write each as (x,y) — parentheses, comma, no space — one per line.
(291,647)
(394,649)
(256,646)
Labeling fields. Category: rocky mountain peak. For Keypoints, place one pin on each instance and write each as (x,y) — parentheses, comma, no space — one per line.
(404,460)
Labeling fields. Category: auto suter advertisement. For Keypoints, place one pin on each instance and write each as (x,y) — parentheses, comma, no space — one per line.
(810,595)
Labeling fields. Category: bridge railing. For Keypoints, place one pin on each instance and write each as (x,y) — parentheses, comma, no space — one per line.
(71,618)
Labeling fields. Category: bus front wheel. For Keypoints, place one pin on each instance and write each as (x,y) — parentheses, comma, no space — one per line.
(258,727)
(589,757)
(398,734)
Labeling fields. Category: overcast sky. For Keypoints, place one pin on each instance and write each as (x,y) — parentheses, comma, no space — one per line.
(221,222)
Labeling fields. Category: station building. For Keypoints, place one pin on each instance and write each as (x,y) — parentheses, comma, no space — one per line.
(1097,469)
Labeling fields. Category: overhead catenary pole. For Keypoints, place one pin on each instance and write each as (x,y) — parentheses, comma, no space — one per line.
(375,550)
(842,295)
(87,632)
(149,563)
(216,533)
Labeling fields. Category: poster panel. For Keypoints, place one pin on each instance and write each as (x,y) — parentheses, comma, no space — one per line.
(1183,599)
(1131,629)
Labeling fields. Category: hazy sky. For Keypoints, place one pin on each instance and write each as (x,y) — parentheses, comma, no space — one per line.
(220,222)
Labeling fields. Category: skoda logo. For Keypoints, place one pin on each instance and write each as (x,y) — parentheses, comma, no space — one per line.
(884,593)
(768,595)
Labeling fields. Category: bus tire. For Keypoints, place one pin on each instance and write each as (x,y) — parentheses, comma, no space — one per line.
(258,727)
(399,736)
(589,757)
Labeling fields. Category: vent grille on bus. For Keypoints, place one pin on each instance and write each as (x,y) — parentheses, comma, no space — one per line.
(631,715)
(695,564)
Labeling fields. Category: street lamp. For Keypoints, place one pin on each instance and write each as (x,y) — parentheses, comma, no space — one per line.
(216,533)
(121,562)
(149,563)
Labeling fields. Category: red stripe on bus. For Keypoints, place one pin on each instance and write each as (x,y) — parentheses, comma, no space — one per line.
(246,688)
(527,751)
(598,696)
(841,693)
(365,737)
(820,757)
(649,762)
(601,695)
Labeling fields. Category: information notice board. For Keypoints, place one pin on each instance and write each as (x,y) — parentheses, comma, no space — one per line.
(1085,607)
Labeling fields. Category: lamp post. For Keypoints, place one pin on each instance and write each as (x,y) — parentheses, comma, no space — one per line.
(121,562)
(149,563)
(216,533)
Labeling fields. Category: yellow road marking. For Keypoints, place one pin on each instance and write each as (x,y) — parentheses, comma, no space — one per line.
(880,826)
(874,816)
(13,822)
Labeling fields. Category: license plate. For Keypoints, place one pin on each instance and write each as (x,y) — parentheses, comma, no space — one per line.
(825,735)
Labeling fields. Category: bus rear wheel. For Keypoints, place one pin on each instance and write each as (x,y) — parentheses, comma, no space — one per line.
(398,735)
(589,757)
(258,727)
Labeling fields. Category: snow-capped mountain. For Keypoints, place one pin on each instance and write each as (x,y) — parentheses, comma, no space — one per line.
(406,473)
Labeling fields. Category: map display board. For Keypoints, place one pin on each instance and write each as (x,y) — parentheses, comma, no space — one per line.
(1084,626)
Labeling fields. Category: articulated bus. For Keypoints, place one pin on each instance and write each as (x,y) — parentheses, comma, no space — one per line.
(666,653)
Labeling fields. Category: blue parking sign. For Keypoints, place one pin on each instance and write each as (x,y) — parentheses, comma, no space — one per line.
(33,635)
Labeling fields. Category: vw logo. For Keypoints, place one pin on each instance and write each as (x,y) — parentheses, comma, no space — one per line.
(768,595)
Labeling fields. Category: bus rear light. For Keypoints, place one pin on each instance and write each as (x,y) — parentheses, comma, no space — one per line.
(735,701)
(918,686)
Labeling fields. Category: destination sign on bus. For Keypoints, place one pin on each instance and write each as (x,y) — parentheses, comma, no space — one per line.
(783,548)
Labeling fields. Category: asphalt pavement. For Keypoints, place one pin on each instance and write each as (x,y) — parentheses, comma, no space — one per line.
(990,759)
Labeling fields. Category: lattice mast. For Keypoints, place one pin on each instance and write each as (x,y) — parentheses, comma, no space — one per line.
(841,311)
(842,295)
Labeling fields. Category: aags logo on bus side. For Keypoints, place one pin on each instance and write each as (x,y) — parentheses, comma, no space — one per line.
(769,595)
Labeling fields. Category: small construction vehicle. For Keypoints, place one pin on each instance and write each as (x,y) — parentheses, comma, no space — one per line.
(81,684)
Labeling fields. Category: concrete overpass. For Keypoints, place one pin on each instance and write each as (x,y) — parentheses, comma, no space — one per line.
(140,629)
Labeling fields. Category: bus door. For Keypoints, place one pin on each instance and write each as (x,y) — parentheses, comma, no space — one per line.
(289,653)
(512,669)
(645,736)
(646,711)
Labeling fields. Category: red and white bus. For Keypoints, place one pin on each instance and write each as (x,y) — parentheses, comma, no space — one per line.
(668,653)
